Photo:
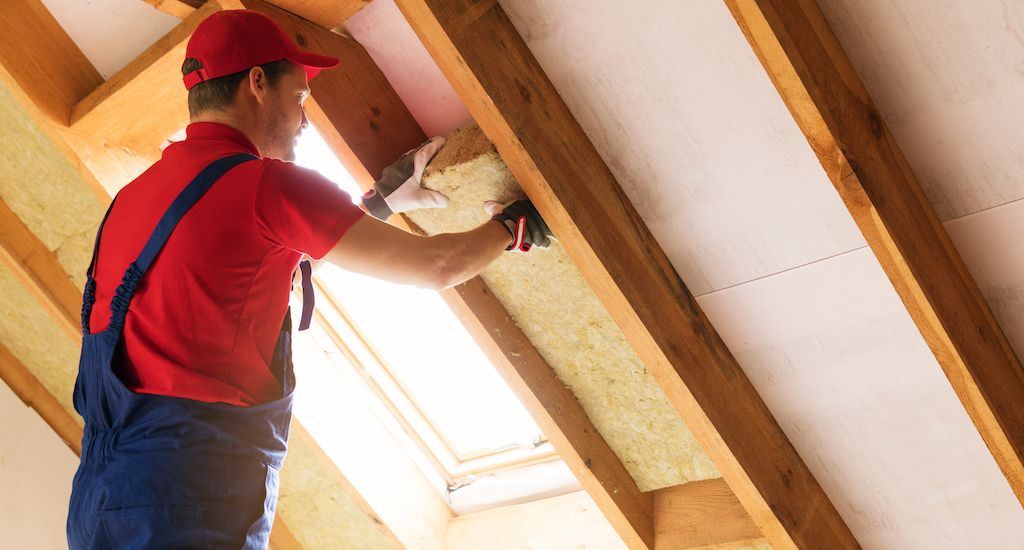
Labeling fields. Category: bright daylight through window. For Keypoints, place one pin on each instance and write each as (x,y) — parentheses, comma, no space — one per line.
(421,370)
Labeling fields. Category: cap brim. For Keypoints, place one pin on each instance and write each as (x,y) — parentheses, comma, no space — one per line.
(313,62)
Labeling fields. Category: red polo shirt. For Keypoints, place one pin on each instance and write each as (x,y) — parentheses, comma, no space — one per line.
(205,319)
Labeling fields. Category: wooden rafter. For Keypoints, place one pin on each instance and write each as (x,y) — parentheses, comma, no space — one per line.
(53,72)
(148,92)
(34,394)
(368,127)
(860,156)
(518,108)
(328,14)
(178,8)
(702,514)
(38,270)
(556,411)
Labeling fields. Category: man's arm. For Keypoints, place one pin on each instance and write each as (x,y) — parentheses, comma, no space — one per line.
(374,248)
(377,249)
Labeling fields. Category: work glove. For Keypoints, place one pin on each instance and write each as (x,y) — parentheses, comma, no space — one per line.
(523,223)
(399,188)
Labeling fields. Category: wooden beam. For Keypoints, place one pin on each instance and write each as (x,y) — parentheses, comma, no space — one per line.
(518,108)
(110,165)
(50,85)
(368,127)
(701,514)
(148,92)
(37,268)
(860,156)
(557,412)
(35,395)
(326,14)
(53,72)
(178,8)
(283,538)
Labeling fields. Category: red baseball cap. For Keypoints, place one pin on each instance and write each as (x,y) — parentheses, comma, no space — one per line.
(232,41)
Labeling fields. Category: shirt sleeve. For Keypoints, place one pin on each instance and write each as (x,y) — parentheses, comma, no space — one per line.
(299,209)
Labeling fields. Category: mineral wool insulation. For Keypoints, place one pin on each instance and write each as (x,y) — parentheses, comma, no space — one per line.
(550,301)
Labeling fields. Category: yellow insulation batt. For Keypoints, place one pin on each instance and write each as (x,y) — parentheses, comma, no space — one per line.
(550,301)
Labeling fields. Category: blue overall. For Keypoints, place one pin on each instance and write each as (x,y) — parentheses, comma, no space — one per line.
(167,472)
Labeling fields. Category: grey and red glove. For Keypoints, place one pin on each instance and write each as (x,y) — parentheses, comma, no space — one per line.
(399,188)
(525,225)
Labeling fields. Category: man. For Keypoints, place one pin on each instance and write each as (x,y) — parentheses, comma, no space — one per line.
(185,380)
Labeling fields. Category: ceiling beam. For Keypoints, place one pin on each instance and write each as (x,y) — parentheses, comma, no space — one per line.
(818,83)
(368,127)
(328,14)
(148,92)
(178,8)
(34,394)
(512,100)
(53,72)
(38,270)
(702,514)
(556,411)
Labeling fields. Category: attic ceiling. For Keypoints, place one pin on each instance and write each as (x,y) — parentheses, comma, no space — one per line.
(684,115)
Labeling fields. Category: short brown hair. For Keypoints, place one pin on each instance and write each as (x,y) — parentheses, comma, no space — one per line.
(218,93)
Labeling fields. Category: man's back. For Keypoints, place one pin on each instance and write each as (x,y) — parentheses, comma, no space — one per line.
(205,319)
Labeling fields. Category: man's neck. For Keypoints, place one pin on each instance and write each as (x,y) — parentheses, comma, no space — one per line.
(229,119)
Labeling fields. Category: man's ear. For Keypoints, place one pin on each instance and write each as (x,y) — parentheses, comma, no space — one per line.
(256,83)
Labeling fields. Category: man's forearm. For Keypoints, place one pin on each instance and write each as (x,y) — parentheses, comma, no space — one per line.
(467,254)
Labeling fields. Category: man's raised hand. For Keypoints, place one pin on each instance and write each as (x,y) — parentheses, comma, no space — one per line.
(525,225)
(399,188)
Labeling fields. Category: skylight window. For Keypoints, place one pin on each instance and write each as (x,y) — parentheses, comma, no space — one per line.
(436,364)
(416,358)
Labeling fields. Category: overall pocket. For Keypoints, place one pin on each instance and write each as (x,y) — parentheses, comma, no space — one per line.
(156,527)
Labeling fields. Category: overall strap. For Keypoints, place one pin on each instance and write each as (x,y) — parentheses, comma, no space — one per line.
(308,298)
(182,203)
(89,294)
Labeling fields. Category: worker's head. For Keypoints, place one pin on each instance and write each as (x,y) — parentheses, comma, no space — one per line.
(241,69)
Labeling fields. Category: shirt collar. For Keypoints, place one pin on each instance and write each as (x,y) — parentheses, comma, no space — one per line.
(216,130)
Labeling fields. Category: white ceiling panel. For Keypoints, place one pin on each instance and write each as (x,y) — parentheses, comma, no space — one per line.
(111,33)
(839,362)
(948,78)
(990,244)
(681,110)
